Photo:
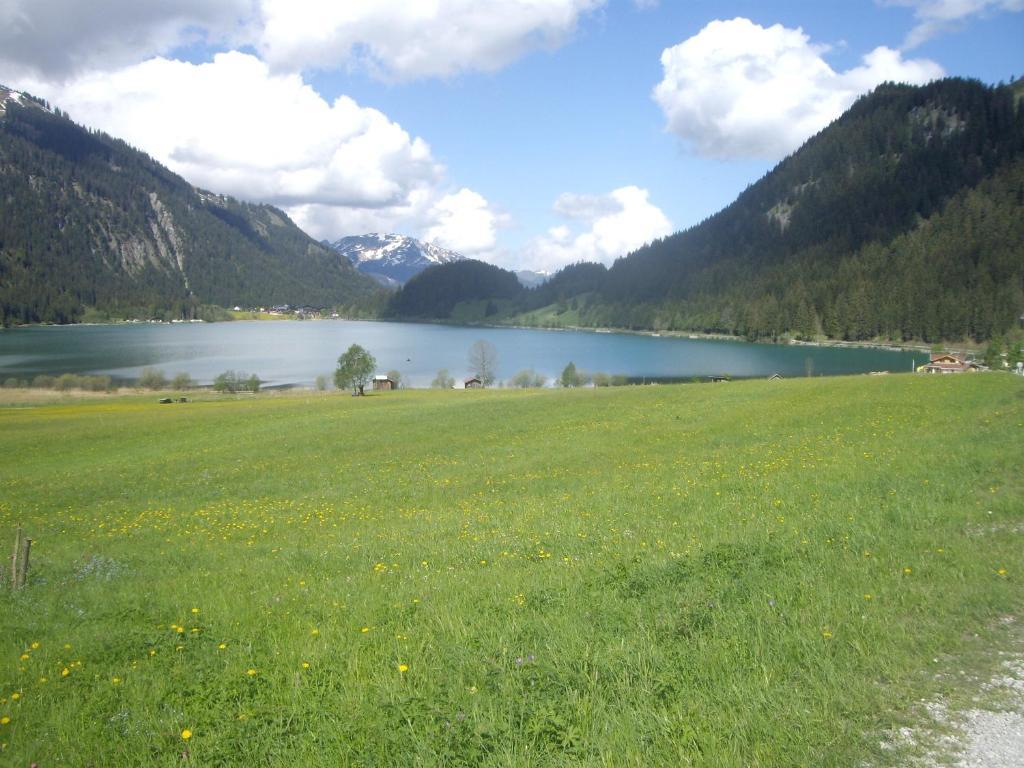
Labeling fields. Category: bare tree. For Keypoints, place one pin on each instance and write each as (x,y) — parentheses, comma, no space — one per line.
(483,361)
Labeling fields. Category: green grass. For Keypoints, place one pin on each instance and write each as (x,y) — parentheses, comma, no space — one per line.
(759,573)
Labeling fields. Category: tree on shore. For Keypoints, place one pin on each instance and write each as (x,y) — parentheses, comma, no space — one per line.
(355,367)
(570,378)
(443,380)
(483,361)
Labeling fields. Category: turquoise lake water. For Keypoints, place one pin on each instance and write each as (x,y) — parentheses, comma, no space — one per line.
(295,353)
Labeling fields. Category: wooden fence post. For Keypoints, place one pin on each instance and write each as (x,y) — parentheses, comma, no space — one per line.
(19,536)
(19,560)
(26,546)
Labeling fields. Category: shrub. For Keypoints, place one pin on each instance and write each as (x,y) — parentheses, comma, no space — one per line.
(13,383)
(235,381)
(42,381)
(182,381)
(322,382)
(67,381)
(152,378)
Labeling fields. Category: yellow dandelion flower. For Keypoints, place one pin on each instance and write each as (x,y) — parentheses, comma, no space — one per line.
(305,665)
(222,646)
(825,633)
(65,672)
(195,610)
(365,629)
(314,632)
(24,657)
(35,646)
(250,672)
(4,720)
(1001,571)
(907,571)
(15,696)
(67,646)
(403,667)
(115,680)
(43,680)
(186,734)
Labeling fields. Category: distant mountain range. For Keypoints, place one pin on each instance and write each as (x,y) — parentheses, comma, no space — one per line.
(391,259)
(89,223)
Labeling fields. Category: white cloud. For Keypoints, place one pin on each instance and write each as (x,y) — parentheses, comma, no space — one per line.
(736,89)
(56,38)
(615,224)
(234,127)
(400,39)
(465,222)
(409,39)
(938,16)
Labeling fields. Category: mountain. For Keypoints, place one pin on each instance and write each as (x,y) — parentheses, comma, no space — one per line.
(90,222)
(435,292)
(392,258)
(531,279)
(903,219)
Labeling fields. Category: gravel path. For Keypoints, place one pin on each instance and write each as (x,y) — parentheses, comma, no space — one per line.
(988,736)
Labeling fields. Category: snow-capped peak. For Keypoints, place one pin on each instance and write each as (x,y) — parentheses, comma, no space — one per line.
(396,256)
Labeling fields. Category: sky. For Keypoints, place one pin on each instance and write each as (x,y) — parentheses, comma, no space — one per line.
(528,133)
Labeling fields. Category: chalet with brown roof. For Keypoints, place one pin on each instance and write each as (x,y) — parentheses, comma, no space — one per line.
(473,383)
(948,363)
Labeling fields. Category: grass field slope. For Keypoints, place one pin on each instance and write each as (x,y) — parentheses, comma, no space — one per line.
(751,574)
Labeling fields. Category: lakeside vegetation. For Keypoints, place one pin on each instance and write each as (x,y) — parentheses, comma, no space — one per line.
(760,573)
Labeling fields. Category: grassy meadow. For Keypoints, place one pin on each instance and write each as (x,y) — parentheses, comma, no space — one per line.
(757,573)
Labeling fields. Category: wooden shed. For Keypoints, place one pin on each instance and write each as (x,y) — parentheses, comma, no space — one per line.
(382,383)
(473,383)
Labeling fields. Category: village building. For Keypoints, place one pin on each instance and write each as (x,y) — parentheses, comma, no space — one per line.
(948,363)
(473,383)
(382,383)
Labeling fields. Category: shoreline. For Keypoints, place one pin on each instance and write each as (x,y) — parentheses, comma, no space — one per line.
(960,347)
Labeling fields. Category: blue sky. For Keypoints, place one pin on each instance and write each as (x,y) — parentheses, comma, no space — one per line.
(530,134)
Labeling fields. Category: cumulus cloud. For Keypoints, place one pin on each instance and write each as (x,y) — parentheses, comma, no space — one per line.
(235,127)
(737,89)
(936,17)
(408,40)
(232,126)
(465,222)
(397,39)
(56,38)
(606,227)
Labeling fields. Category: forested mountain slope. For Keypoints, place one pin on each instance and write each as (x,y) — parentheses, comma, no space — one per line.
(86,221)
(902,218)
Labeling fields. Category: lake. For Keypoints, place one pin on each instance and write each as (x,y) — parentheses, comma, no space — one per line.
(286,353)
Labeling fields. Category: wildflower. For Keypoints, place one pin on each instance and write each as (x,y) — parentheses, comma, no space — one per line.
(365,629)
(15,696)
(1001,571)
(186,734)
(222,646)
(250,672)
(115,680)
(24,657)
(826,633)
(195,610)
(65,672)
(4,720)
(35,646)
(403,667)
(314,632)
(907,571)
(305,665)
